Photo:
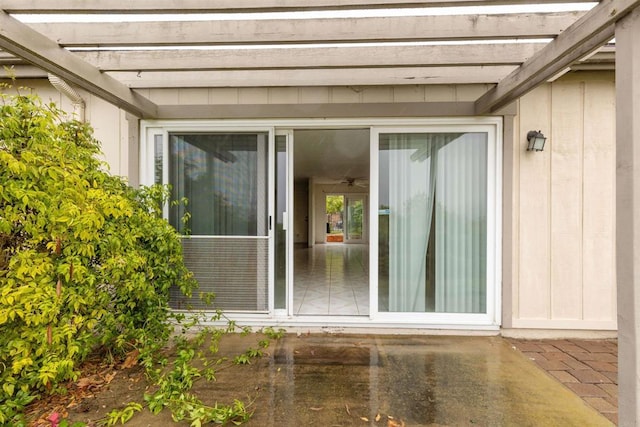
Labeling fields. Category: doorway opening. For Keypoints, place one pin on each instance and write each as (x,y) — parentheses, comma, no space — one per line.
(346,217)
(334,207)
(330,205)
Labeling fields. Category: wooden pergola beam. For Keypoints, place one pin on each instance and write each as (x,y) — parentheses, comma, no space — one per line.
(593,30)
(234,6)
(22,41)
(314,77)
(317,30)
(307,58)
(337,110)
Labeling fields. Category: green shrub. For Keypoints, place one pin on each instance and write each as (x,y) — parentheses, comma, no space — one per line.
(86,261)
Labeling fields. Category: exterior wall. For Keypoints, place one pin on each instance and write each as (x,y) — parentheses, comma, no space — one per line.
(315,95)
(561,202)
(110,125)
(563,213)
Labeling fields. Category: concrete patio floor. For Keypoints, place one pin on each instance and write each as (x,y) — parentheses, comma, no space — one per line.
(329,380)
(357,380)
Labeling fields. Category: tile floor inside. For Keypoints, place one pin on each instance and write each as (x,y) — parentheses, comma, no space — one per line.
(331,279)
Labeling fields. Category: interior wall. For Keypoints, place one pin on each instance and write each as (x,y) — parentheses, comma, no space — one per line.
(564,206)
(301,212)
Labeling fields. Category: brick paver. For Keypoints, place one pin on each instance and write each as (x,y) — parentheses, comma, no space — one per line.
(586,390)
(564,377)
(589,368)
(589,376)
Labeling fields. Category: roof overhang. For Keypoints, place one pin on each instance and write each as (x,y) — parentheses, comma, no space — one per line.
(511,51)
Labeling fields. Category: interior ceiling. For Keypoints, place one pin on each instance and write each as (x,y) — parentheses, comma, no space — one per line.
(395,43)
(331,156)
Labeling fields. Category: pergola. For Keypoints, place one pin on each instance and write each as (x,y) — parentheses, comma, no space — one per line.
(509,52)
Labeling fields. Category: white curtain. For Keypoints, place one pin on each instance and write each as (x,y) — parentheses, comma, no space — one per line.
(449,170)
(461,218)
(413,160)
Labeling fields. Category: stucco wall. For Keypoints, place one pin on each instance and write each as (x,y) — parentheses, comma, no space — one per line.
(563,213)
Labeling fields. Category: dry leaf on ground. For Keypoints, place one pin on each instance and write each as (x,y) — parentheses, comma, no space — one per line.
(131,360)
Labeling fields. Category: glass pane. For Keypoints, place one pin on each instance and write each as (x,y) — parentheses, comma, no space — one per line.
(432,222)
(235,269)
(355,211)
(224,179)
(157,159)
(280,232)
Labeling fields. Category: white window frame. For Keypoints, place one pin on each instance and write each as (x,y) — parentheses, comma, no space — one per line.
(492,317)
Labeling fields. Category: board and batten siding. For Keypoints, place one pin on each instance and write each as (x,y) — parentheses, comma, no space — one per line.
(315,95)
(561,202)
(563,217)
(110,125)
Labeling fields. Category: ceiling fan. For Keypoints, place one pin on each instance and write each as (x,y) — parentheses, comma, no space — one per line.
(358,182)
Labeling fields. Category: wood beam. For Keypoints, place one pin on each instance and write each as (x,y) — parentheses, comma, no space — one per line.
(628,216)
(20,40)
(24,72)
(235,6)
(8,59)
(589,33)
(302,58)
(292,111)
(316,77)
(319,30)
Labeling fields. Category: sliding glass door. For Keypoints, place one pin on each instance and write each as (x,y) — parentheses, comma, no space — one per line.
(426,212)
(432,222)
(222,179)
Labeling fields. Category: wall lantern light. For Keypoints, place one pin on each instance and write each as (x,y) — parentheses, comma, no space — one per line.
(535,140)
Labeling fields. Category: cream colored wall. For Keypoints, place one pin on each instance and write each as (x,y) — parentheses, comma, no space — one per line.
(562,216)
(563,211)
(109,123)
(316,95)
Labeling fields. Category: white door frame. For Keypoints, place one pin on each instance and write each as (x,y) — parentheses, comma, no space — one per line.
(491,320)
(494,220)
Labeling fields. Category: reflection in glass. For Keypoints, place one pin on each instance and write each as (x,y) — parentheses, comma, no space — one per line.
(280,232)
(355,216)
(224,178)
